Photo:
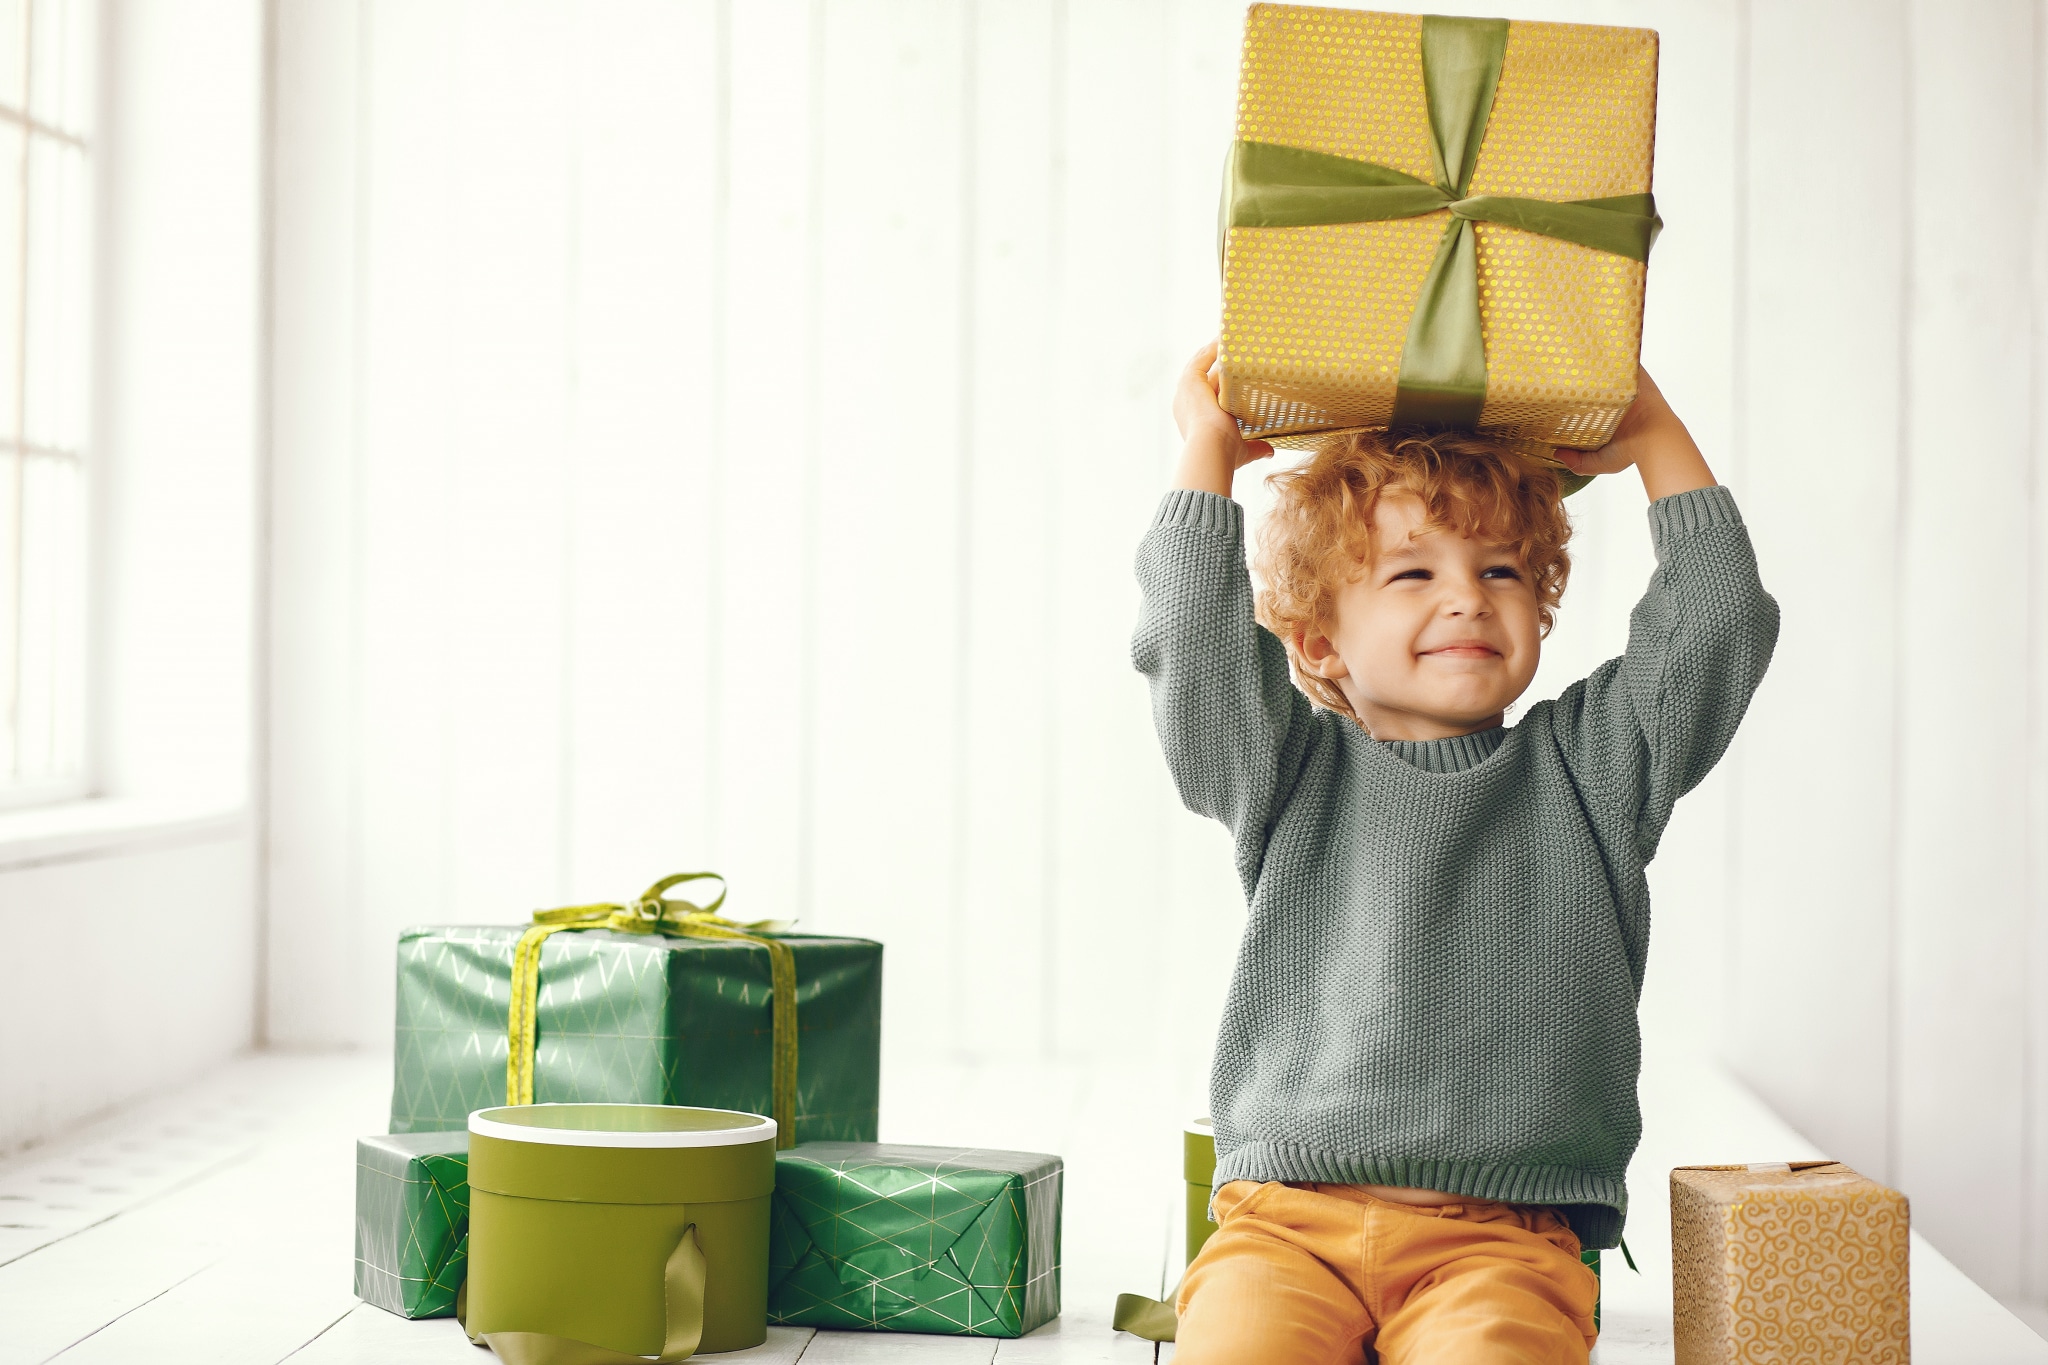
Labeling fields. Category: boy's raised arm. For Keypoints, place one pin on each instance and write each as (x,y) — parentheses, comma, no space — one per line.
(1652,439)
(1644,729)
(1230,720)
(1212,448)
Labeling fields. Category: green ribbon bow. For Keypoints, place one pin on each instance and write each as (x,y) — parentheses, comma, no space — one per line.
(1443,363)
(655,914)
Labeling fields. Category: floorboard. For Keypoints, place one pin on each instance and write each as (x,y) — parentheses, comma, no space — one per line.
(885,1348)
(215,1225)
(223,1234)
(1079,1336)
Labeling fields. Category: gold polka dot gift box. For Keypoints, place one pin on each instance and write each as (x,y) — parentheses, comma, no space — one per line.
(1787,1264)
(1436,222)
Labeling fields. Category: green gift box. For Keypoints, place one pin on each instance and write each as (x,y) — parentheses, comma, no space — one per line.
(637,1018)
(957,1240)
(412,1221)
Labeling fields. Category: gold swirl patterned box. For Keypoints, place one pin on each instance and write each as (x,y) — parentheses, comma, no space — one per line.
(1787,1264)
(1439,221)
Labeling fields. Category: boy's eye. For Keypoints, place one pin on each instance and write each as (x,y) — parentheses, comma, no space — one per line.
(1421,575)
(1502,571)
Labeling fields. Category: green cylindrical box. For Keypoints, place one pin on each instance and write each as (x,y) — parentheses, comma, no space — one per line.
(1198,1162)
(574,1210)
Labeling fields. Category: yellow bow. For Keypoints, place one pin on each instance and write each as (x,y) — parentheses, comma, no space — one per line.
(653,913)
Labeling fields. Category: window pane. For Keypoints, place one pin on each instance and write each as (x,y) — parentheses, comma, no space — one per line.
(53,406)
(59,91)
(52,617)
(13,51)
(11,151)
(10,616)
(45,246)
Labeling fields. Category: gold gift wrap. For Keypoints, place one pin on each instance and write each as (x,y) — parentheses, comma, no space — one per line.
(1316,317)
(1802,1263)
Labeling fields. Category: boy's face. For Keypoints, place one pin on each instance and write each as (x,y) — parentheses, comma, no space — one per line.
(1436,637)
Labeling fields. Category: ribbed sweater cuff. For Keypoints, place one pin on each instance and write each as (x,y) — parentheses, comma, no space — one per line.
(1688,513)
(1201,510)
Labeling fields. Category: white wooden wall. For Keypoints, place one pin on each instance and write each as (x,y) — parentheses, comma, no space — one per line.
(716,434)
(1886,938)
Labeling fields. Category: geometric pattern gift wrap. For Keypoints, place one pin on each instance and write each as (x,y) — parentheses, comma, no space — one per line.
(1316,315)
(412,1222)
(1787,1264)
(637,1018)
(957,1240)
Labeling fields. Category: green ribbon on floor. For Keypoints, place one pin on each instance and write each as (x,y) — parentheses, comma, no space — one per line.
(1442,382)
(654,913)
(682,1292)
(1152,1319)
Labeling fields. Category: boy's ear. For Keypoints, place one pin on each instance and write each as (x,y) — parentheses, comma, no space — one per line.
(1319,656)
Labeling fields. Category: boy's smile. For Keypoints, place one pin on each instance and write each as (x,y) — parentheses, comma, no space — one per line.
(1436,636)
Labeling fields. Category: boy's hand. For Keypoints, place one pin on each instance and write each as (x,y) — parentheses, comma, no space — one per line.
(1213,449)
(1652,439)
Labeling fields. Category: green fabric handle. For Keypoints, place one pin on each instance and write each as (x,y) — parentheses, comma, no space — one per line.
(1143,1317)
(682,1290)
(1442,382)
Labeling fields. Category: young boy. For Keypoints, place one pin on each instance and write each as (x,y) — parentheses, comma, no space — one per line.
(1424,1086)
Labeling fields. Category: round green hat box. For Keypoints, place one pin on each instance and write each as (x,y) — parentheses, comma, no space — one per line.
(597,1232)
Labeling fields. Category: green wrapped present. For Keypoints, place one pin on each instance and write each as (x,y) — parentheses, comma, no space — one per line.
(957,1240)
(657,1002)
(412,1221)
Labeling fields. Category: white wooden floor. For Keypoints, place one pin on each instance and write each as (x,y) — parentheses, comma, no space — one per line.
(215,1225)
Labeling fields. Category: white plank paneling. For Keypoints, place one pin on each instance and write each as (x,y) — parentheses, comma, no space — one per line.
(1001,896)
(643,235)
(887,686)
(1114,794)
(509,568)
(310,871)
(1814,888)
(2034,1154)
(762,505)
(404,503)
(1961,856)
(1202,904)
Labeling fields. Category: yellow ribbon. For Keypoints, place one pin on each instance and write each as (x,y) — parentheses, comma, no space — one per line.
(653,913)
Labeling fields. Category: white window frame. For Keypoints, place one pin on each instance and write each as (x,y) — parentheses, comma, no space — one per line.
(46,102)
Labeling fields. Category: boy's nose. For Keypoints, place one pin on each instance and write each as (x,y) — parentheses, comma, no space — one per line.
(1465,600)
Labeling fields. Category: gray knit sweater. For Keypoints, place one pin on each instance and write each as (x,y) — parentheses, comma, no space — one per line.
(1437,983)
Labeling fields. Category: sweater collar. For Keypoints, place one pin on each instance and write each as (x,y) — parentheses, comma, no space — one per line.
(1453,755)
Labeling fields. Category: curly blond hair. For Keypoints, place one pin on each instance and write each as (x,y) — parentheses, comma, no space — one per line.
(1319,534)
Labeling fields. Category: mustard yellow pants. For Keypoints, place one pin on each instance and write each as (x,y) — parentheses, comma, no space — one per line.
(1330,1275)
